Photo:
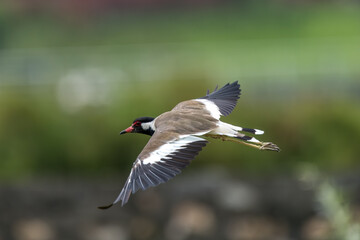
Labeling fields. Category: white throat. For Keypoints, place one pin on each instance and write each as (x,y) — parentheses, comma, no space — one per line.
(148,125)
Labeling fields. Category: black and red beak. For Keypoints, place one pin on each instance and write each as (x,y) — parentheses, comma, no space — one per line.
(128,130)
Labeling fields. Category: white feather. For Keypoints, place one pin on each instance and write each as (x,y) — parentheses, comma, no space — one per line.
(258,132)
(226,129)
(232,131)
(211,107)
(148,125)
(169,148)
(254,140)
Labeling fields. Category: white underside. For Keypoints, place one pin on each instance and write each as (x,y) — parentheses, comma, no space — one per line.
(232,131)
(226,129)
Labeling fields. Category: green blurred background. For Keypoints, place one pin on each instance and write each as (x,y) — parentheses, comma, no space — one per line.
(73,74)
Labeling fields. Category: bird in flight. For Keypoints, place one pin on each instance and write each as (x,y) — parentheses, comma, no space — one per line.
(177,137)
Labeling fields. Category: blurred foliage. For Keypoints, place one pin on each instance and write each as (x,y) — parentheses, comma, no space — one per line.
(334,205)
(38,137)
(338,213)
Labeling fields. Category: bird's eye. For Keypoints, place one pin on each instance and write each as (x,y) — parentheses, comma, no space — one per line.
(137,124)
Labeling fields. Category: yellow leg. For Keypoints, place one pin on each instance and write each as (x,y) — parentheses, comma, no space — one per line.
(260,145)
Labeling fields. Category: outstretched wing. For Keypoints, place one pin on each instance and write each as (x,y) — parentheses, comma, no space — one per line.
(225,98)
(160,160)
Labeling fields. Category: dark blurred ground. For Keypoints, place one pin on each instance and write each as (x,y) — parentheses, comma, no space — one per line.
(208,204)
(75,73)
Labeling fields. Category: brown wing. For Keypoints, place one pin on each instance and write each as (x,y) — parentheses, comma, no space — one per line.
(224,98)
(186,118)
(162,158)
(193,105)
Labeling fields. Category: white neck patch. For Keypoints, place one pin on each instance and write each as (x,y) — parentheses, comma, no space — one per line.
(148,125)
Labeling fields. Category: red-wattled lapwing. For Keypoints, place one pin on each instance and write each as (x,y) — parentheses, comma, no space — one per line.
(176,138)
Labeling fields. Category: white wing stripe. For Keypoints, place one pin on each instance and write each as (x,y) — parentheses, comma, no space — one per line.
(211,107)
(161,165)
(165,150)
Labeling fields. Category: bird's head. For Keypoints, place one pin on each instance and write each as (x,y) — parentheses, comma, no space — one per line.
(143,125)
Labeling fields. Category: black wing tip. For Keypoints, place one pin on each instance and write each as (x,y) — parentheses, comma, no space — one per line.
(233,86)
(112,204)
(226,97)
(229,90)
(122,199)
(106,207)
(236,83)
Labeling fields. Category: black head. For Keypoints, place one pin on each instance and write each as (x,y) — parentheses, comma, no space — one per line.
(141,125)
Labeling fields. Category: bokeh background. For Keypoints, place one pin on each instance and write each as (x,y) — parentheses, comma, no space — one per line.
(74,73)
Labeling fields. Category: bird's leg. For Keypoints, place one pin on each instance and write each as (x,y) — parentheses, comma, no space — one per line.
(269,146)
(226,138)
(259,145)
